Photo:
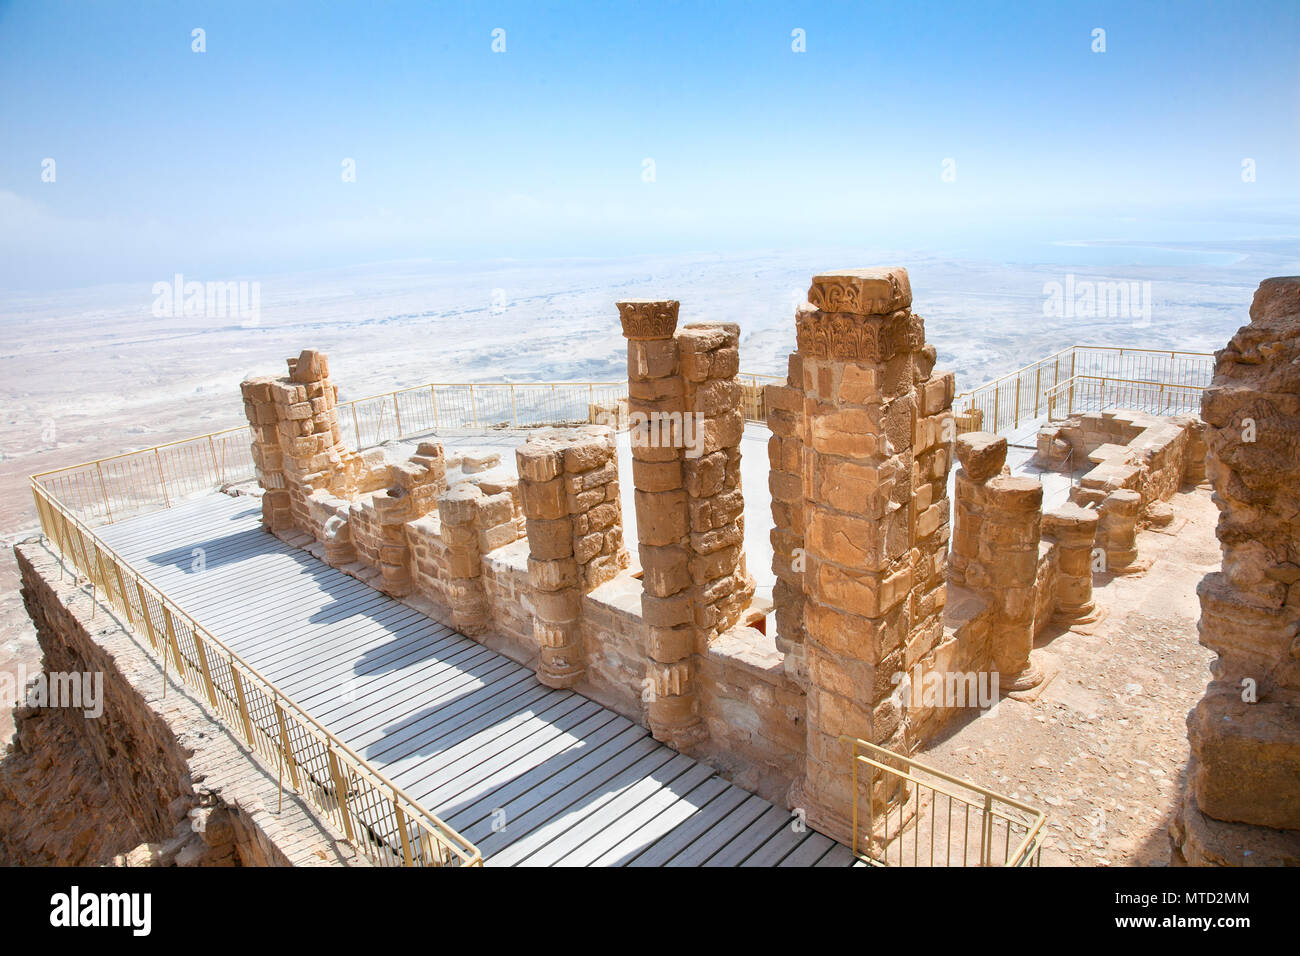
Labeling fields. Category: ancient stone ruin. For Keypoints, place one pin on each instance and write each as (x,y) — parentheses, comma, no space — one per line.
(1240,803)
(885,578)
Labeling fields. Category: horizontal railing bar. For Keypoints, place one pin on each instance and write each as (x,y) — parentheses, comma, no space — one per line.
(890,755)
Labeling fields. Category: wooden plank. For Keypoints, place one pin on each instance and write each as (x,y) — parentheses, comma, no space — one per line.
(476,739)
(739,848)
(458,770)
(528,754)
(415,678)
(781,844)
(549,769)
(694,828)
(590,823)
(408,740)
(628,821)
(809,851)
(366,721)
(839,855)
(721,833)
(673,817)
(559,819)
(532,809)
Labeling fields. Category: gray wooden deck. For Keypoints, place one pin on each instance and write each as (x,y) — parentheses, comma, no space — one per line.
(533,776)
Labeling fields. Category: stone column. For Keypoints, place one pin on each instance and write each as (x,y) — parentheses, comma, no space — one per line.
(312,453)
(569,486)
(684,406)
(656,393)
(458,515)
(784,404)
(412,493)
(1194,468)
(1240,804)
(870,531)
(263,421)
(995,551)
(722,589)
(1117,530)
(1074,529)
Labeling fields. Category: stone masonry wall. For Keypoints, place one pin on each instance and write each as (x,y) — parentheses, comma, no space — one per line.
(569,485)
(1240,800)
(875,521)
(154,780)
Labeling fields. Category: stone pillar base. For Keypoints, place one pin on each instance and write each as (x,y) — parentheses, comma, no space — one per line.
(560,680)
(1082,614)
(1027,679)
(1200,840)
(1133,566)
(838,826)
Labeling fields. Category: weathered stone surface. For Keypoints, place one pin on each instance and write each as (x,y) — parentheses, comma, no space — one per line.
(861,291)
(1245,743)
(645,319)
(150,781)
(981,454)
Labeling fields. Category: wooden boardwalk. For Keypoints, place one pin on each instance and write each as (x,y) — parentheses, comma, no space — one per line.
(533,776)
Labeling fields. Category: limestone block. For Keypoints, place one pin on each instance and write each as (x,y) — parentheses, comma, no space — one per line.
(982,454)
(861,291)
(647,319)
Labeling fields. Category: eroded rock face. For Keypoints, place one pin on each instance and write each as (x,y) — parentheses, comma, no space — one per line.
(1245,733)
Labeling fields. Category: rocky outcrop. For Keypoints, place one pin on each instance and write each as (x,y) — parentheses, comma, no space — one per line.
(1242,803)
(142,778)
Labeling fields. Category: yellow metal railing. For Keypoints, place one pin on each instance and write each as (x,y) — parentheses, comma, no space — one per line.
(150,479)
(137,482)
(382,822)
(499,405)
(1090,393)
(935,813)
(1021,397)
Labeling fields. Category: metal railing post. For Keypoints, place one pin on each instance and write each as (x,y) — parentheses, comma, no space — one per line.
(216,467)
(203,667)
(144,612)
(103,488)
(286,746)
(243,706)
(340,792)
(162,479)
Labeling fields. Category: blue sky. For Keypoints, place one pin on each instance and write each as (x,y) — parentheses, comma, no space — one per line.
(229,162)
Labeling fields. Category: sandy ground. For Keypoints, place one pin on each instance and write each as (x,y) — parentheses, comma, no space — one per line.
(1103,748)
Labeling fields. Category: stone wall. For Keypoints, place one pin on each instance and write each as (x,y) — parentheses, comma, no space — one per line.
(1240,800)
(154,780)
(574,522)
(1152,455)
(754,712)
